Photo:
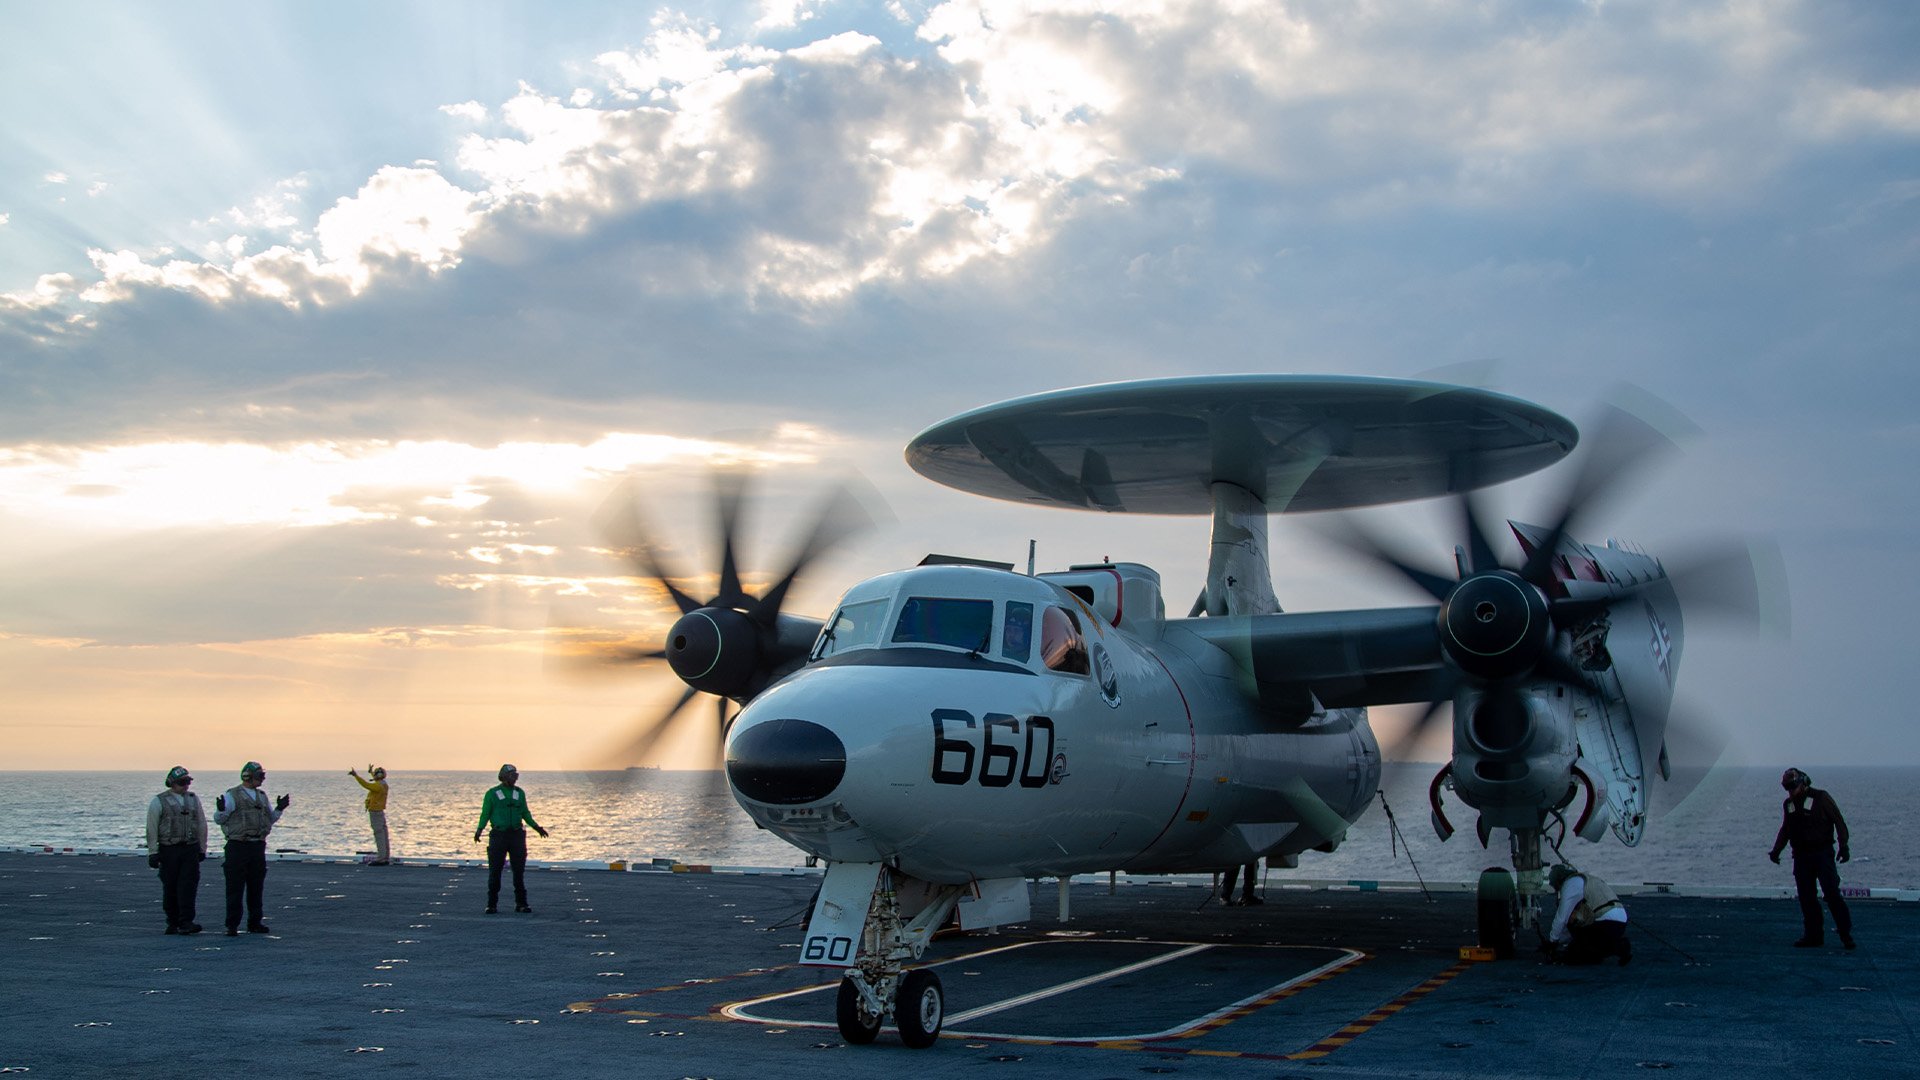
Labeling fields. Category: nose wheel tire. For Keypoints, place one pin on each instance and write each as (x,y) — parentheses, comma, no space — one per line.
(1498,910)
(856,1028)
(920,1008)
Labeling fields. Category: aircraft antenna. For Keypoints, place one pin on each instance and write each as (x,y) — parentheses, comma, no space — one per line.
(1032,547)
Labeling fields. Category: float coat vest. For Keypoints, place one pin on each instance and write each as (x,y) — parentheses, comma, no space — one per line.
(250,816)
(179,819)
(1599,899)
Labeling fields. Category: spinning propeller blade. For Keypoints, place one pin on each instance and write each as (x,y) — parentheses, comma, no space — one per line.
(1500,625)
(646,735)
(619,519)
(1622,444)
(1743,583)
(734,644)
(1703,766)
(1402,747)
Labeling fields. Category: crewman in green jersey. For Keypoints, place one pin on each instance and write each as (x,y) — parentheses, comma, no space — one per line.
(505,809)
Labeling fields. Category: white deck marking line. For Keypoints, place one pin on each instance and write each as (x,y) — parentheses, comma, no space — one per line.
(738,1010)
(1075,984)
(742,1010)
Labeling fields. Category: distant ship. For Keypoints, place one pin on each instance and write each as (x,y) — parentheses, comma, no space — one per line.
(643,768)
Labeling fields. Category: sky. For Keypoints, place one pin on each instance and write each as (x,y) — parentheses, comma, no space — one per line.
(326,331)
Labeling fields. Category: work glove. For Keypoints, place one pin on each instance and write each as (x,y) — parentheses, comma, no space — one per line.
(281,802)
(1775,856)
(1845,855)
(476,836)
(220,802)
(543,836)
(203,856)
(153,861)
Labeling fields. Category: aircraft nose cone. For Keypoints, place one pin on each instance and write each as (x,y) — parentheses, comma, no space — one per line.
(786,762)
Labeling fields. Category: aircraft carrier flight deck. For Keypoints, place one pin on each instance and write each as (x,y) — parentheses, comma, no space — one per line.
(371,971)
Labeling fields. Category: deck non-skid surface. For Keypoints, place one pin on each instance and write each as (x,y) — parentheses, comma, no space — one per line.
(369,970)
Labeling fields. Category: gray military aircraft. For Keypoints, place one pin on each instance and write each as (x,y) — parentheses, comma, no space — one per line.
(955,729)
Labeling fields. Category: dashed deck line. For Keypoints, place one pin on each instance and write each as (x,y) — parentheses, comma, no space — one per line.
(1367,1023)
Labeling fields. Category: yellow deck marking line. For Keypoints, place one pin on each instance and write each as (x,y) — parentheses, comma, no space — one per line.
(1366,1023)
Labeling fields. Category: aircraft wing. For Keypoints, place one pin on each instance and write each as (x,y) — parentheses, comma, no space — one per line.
(1377,656)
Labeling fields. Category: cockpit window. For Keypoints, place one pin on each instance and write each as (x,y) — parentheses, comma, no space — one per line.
(963,624)
(1061,646)
(855,626)
(1016,632)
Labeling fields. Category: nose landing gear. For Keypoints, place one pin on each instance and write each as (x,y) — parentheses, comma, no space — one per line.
(873,922)
(914,998)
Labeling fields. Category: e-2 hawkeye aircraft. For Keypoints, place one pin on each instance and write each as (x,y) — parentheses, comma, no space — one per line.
(955,729)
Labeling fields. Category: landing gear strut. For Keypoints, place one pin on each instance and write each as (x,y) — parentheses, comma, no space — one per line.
(1509,903)
(1529,875)
(859,1022)
(899,920)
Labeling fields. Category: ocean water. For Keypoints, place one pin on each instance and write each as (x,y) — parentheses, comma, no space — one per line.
(1719,835)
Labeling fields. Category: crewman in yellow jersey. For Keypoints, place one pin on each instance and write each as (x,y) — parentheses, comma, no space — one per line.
(376,784)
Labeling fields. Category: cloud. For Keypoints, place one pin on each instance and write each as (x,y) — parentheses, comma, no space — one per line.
(812,172)
(277,211)
(179,484)
(1027,160)
(471,111)
(889,174)
(1840,111)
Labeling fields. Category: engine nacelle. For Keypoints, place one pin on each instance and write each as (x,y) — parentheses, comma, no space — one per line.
(1513,755)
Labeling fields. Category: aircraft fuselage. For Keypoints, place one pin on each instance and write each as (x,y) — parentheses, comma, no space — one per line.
(983,748)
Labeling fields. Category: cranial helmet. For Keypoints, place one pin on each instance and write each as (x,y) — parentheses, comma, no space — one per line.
(178,773)
(508,770)
(252,768)
(1794,778)
(1558,876)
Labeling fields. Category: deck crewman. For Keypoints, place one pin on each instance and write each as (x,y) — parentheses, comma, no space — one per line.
(376,784)
(505,809)
(246,816)
(1810,821)
(176,846)
(1590,923)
